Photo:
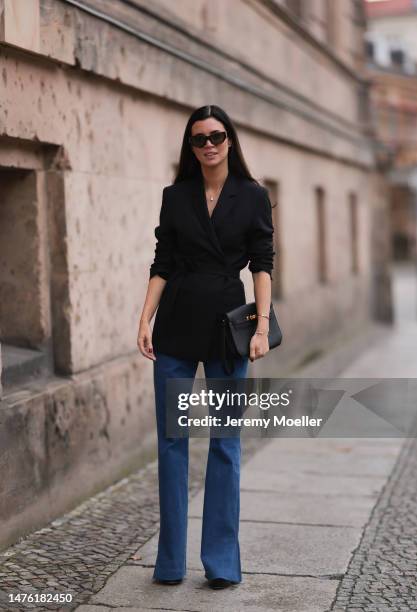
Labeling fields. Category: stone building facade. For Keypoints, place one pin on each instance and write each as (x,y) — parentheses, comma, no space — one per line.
(392,72)
(94,99)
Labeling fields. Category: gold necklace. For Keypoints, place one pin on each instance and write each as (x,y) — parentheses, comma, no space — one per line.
(211,198)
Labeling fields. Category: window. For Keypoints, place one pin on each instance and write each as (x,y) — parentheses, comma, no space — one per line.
(321,236)
(359,14)
(295,7)
(397,58)
(21,308)
(330,18)
(210,15)
(363,99)
(353,225)
(34,294)
(370,50)
(273,189)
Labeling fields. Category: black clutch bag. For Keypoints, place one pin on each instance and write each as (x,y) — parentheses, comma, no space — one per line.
(238,327)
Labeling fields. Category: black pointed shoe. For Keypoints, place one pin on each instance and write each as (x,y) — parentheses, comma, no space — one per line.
(161,581)
(219,583)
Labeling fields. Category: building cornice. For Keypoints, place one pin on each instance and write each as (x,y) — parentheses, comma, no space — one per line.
(300,28)
(376,70)
(283,97)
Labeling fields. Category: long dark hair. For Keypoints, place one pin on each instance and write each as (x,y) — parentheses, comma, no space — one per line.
(189,166)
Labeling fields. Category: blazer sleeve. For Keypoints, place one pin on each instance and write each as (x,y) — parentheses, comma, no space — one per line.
(260,244)
(165,235)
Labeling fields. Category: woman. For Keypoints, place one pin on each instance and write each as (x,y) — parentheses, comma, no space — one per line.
(214,219)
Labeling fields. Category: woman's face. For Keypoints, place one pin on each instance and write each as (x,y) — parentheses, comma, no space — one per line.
(210,155)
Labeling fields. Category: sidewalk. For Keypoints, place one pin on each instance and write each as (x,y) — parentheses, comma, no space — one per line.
(304,506)
(326,524)
(308,509)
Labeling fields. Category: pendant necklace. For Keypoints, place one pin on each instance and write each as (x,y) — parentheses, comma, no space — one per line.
(211,198)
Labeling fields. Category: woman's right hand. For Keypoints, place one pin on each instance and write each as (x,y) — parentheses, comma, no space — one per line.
(144,340)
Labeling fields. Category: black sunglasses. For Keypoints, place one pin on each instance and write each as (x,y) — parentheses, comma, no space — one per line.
(199,140)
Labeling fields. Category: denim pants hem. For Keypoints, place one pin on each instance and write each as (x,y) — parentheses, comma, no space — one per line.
(223,575)
(168,573)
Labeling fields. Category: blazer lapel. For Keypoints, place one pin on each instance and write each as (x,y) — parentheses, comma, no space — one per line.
(224,203)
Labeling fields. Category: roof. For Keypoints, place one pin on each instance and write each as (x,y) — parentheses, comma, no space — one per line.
(389,8)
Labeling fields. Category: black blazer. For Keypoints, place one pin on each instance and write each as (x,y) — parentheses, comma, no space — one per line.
(201,257)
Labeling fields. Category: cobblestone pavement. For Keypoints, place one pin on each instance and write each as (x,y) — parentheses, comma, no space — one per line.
(78,552)
(382,574)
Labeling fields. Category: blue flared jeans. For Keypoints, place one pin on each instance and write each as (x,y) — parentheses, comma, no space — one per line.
(220,552)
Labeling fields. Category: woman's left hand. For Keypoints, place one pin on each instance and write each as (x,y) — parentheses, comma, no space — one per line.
(259,346)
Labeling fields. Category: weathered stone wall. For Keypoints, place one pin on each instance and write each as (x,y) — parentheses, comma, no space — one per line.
(62,440)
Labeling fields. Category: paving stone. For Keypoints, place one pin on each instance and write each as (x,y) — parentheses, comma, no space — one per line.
(383,569)
(282,549)
(131,587)
(79,551)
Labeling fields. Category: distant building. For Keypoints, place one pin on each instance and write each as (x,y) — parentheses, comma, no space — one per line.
(392,68)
